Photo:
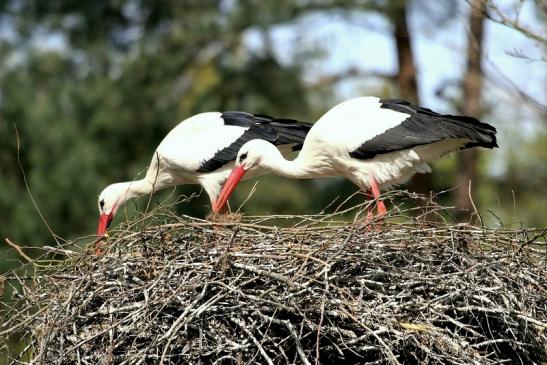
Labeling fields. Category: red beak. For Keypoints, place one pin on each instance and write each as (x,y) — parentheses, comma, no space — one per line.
(104,222)
(228,188)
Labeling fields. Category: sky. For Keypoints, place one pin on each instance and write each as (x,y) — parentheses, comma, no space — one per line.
(366,44)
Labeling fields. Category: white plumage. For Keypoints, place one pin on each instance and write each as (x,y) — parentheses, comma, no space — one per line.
(373,142)
(201,150)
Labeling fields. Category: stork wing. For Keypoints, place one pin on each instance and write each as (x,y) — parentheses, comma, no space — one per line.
(276,131)
(424,126)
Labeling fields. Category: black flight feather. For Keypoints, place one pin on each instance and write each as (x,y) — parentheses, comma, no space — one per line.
(424,126)
(276,131)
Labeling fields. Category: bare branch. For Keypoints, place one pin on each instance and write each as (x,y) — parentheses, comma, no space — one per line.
(350,73)
(497,16)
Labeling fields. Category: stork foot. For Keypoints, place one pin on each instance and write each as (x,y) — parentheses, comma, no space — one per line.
(381,208)
(369,218)
(373,223)
(374,192)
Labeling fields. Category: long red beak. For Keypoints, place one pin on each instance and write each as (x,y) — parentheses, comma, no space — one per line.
(228,188)
(104,222)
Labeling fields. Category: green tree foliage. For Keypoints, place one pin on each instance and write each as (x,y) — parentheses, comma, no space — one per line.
(91,109)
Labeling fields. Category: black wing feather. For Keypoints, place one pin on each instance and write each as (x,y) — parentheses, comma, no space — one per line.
(276,131)
(424,126)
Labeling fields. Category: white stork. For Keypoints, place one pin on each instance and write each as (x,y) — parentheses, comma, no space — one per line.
(375,143)
(201,150)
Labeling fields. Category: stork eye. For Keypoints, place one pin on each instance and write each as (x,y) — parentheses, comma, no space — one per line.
(101,203)
(242,157)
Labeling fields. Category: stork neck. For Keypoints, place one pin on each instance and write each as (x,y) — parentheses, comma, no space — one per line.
(139,188)
(299,168)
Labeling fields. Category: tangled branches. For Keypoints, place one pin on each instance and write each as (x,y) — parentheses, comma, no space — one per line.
(192,291)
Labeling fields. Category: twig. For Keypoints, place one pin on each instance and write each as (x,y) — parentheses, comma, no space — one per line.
(21,168)
(20,251)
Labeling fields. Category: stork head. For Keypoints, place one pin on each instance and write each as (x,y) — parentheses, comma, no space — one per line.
(251,155)
(110,199)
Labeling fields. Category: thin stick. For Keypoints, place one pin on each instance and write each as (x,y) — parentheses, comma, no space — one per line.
(20,251)
(21,168)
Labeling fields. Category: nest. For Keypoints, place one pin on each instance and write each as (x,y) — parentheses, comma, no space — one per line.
(322,291)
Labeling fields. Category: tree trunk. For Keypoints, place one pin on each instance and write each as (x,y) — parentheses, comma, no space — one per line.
(472,88)
(406,79)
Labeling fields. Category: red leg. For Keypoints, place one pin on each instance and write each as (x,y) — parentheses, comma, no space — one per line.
(376,193)
(370,215)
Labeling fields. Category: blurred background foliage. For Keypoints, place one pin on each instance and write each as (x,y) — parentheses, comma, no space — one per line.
(93,86)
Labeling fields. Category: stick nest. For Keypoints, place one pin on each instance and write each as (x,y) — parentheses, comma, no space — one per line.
(322,291)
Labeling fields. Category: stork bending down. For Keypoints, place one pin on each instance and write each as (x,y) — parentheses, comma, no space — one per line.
(375,143)
(201,150)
